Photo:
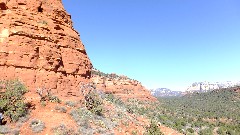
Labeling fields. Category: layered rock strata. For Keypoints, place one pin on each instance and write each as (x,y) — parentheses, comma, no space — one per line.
(122,87)
(39,46)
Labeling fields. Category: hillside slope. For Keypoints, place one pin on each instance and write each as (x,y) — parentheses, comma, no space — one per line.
(216,111)
(96,113)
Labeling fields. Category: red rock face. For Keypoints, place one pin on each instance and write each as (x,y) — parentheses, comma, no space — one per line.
(123,87)
(39,46)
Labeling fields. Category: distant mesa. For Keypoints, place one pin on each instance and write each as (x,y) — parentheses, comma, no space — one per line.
(195,87)
(165,92)
(209,86)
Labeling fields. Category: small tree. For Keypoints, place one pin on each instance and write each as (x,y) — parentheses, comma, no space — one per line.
(94,102)
(12,100)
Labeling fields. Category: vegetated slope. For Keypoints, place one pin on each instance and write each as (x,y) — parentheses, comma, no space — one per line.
(206,113)
(96,113)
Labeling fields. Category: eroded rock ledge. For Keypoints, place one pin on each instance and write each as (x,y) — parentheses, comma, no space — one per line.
(121,86)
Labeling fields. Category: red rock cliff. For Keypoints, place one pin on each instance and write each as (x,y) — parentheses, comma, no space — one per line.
(121,86)
(39,46)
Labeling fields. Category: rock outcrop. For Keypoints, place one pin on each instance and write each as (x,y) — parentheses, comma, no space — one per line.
(39,46)
(120,86)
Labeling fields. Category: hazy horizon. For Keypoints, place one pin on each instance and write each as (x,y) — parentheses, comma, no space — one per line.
(163,44)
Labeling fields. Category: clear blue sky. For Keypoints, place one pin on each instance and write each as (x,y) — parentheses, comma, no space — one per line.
(162,43)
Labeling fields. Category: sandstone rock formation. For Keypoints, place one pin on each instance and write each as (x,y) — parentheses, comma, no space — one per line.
(121,86)
(39,46)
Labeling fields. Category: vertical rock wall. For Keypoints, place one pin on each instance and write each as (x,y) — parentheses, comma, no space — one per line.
(39,46)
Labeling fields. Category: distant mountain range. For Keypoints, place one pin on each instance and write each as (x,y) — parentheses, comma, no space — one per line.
(208,86)
(195,87)
(165,92)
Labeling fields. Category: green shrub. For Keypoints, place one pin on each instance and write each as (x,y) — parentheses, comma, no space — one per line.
(226,131)
(94,102)
(37,126)
(110,97)
(54,99)
(113,99)
(12,100)
(206,131)
(134,132)
(190,130)
(129,109)
(153,129)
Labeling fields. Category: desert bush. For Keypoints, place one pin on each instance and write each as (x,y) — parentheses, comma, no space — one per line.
(15,131)
(207,131)
(61,109)
(20,122)
(81,116)
(4,129)
(43,103)
(94,102)
(135,106)
(113,99)
(153,129)
(110,97)
(85,88)
(71,103)
(134,132)
(12,100)
(46,95)
(23,119)
(226,131)
(86,131)
(37,126)
(54,99)
(43,22)
(62,130)
(130,109)
(86,120)
(190,130)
